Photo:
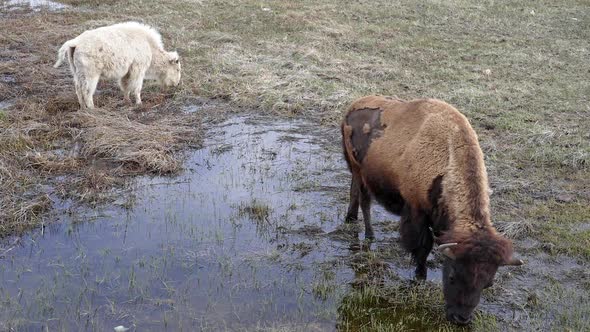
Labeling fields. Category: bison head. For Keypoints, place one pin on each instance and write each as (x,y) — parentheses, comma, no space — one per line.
(170,74)
(467,270)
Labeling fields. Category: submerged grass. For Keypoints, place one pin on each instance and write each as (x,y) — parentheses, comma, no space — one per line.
(256,211)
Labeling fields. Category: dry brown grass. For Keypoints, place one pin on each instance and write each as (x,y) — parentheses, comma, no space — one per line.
(140,147)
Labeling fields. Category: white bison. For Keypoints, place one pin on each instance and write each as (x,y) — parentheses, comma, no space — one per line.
(127,52)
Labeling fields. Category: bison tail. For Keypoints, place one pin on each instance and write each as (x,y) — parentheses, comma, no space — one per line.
(66,50)
(348,147)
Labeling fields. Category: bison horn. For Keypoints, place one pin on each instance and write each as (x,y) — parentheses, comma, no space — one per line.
(514,262)
(446,245)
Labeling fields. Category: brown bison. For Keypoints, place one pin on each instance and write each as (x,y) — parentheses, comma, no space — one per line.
(421,160)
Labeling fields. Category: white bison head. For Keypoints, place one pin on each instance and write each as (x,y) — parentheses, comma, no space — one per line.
(170,74)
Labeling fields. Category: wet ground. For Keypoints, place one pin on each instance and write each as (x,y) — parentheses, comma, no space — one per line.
(35,5)
(250,236)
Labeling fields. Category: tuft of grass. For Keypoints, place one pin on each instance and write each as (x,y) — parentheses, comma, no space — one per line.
(93,186)
(516,229)
(255,210)
(141,147)
(324,285)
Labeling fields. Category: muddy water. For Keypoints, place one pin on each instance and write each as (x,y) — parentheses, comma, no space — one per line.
(249,237)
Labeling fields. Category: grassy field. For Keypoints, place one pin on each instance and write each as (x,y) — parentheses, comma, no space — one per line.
(519,71)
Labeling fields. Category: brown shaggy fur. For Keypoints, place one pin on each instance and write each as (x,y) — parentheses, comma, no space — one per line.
(419,142)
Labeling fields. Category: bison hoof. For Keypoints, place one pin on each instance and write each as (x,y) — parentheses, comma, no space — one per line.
(350,219)
(370,236)
(420,275)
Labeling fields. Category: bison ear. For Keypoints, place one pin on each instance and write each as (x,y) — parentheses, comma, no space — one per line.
(446,250)
(174,58)
(434,237)
(513,262)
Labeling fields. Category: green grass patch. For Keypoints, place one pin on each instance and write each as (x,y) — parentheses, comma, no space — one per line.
(402,308)
(564,228)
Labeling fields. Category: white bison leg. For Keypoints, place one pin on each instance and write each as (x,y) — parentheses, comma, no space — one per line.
(81,83)
(88,88)
(137,90)
(79,92)
(124,85)
(136,75)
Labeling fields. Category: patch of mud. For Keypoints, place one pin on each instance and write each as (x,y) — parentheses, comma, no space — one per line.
(582,227)
(7,78)
(308,230)
(191,109)
(35,5)
(4,104)
(346,232)
(198,105)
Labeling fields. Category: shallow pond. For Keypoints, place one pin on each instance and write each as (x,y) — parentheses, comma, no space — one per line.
(250,236)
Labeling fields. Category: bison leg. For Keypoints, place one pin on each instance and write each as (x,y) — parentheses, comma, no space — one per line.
(416,238)
(79,93)
(136,76)
(87,85)
(353,207)
(137,90)
(124,85)
(90,89)
(366,208)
